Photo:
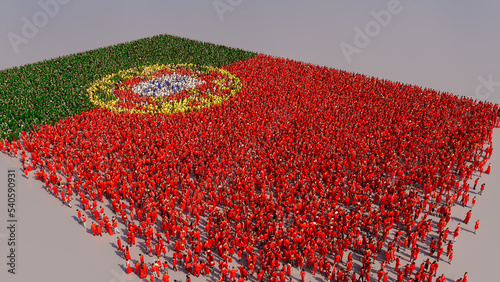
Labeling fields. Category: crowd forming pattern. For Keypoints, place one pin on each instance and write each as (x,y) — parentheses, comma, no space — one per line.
(304,168)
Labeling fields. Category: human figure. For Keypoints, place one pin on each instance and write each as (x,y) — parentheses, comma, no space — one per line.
(482,189)
(455,233)
(93,227)
(127,254)
(467,217)
(232,274)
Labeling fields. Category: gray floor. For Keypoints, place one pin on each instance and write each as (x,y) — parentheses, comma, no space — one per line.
(53,246)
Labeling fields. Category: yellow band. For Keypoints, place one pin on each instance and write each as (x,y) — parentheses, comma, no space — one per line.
(104,87)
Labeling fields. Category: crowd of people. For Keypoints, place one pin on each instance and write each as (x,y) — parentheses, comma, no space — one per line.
(166,85)
(47,91)
(308,168)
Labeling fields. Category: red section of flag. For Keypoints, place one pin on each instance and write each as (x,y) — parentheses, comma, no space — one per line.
(302,154)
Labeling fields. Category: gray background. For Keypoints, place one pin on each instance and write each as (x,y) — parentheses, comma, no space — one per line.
(444,45)
(449,46)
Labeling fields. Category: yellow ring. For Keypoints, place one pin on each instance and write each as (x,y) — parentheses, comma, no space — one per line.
(105,86)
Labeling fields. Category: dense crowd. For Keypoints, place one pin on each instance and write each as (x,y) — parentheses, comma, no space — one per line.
(305,168)
(166,85)
(47,91)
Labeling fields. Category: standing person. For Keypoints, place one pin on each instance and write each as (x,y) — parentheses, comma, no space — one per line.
(260,275)
(449,247)
(138,268)
(232,274)
(144,270)
(439,252)
(400,276)
(206,268)
(487,172)
(174,262)
(127,254)
(119,243)
(84,221)
(129,269)
(426,265)
(156,270)
(476,226)
(94,228)
(380,274)
(68,200)
(165,267)
(482,189)
(98,229)
(63,198)
(467,217)
(412,268)
(331,275)
(433,268)
(450,256)
(115,225)
(455,233)
(433,247)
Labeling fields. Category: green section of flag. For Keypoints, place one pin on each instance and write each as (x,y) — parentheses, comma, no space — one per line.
(44,92)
